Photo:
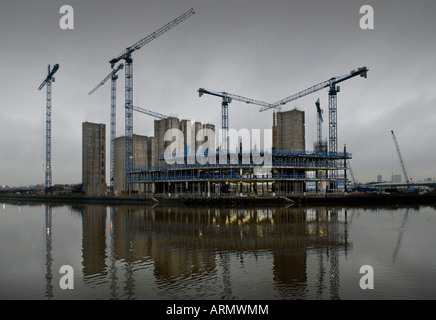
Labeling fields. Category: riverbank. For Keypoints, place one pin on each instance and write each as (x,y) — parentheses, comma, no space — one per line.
(309,199)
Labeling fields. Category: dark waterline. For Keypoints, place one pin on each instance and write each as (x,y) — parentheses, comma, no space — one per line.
(176,252)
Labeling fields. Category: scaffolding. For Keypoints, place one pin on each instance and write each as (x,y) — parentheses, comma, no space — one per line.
(289,173)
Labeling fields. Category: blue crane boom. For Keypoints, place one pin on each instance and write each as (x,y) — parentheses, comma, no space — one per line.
(325,84)
(150,113)
(226,99)
(333,90)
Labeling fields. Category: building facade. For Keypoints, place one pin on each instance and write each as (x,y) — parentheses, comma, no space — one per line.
(144,155)
(94,159)
(289,131)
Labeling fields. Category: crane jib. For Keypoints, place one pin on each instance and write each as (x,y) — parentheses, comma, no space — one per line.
(49,76)
(329,83)
(129,50)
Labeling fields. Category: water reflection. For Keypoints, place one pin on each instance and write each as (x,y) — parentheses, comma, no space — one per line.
(94,240)
(177,247)
(400,236)
(48,249)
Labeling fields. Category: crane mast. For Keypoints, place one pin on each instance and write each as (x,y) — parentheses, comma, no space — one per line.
(47,82)
(333,90)
(226,99)
(332,98)
(352,174)
(400,157)
(113,76)
(320,120)
(127,56)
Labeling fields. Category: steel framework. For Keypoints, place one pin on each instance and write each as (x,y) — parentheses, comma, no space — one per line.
(127,56)
(113,76)
(48,83)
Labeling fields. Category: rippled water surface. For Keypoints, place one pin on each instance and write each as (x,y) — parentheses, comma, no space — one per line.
(136,252)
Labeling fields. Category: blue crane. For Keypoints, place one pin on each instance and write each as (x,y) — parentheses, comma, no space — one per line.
(149,112)
(126,55)
(333,90)
(226,99)
(332,94)
(113,76)
(47,82)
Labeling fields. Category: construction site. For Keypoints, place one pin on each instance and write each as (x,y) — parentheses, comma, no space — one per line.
(140,165)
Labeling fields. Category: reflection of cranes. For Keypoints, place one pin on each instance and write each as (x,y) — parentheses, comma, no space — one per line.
(328,227)
(334,256)
(113,268)
(227,282)
(400,236)
(48,248)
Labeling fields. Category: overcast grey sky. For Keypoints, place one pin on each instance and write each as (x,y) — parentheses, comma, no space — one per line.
(265,50)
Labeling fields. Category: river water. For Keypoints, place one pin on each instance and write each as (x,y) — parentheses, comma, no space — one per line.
(162,253)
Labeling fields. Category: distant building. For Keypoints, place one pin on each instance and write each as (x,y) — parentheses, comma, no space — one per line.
(379,178)
(396,178)
(94,158)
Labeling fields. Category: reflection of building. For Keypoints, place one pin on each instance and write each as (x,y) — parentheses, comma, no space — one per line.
(184,245)
(94,239)
(93,159)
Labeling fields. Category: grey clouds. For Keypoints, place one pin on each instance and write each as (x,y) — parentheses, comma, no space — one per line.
(265,50)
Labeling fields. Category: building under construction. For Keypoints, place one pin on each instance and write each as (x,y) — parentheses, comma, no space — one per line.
(291,169)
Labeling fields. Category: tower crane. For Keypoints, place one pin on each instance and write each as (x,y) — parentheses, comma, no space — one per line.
(47,82)
(226,99)
(333,90)
(401,158)
(320,120)
(150,113)
(333,119)
(126,55)
(113,76)
(352,174)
